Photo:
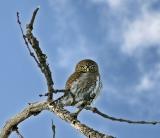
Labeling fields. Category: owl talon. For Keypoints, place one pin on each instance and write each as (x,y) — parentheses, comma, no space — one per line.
(74,115)
(93,95)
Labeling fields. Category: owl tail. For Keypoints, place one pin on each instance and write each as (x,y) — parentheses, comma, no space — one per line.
(65,100)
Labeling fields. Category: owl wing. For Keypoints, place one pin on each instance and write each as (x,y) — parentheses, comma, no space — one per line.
(74,77)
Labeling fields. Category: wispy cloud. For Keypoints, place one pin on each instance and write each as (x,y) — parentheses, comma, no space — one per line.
(149,80)
(135,24)
(142,32)
(114,4)
(145,83)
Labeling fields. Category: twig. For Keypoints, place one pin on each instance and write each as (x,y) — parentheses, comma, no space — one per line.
(19,134)
(53,129)
(54,91)
(95,110)
(15,128)
(25,40)
(30,25)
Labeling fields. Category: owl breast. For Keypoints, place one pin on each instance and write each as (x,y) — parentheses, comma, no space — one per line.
(86,88)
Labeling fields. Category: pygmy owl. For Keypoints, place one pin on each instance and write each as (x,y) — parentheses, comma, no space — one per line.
(82,87)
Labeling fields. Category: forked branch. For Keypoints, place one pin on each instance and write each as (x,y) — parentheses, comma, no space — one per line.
(36,108)
(37,54)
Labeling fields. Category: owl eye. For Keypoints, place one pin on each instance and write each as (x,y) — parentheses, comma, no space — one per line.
(92,67)
(82,67)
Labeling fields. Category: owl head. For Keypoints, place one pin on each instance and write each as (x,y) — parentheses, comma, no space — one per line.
(87,65)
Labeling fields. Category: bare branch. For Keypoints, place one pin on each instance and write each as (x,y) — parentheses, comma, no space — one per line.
(59,111)
(30,25)
(18,133)
(25,40)
(17,119)
(95,110)
(54,91)
(40,58)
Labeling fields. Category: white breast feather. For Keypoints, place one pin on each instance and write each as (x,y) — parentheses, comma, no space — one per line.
(93,90)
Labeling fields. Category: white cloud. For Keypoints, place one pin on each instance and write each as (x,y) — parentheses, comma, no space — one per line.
(114,4)
(142,32)
(150,80)
(145,83)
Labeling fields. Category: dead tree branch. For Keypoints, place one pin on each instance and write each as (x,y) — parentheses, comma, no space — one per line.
(17,119)
(40,57)
(59,111)
(26,42)
(54,91)
(95,110)
(18,133)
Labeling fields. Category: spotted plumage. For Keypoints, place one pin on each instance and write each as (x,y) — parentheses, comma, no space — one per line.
(83,86)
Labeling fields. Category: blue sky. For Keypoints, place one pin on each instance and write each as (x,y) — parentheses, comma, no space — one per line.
(122,36)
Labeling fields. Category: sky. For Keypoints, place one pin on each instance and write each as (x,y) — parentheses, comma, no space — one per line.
(122,36)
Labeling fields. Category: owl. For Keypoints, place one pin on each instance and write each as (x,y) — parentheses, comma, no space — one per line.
(82,87)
